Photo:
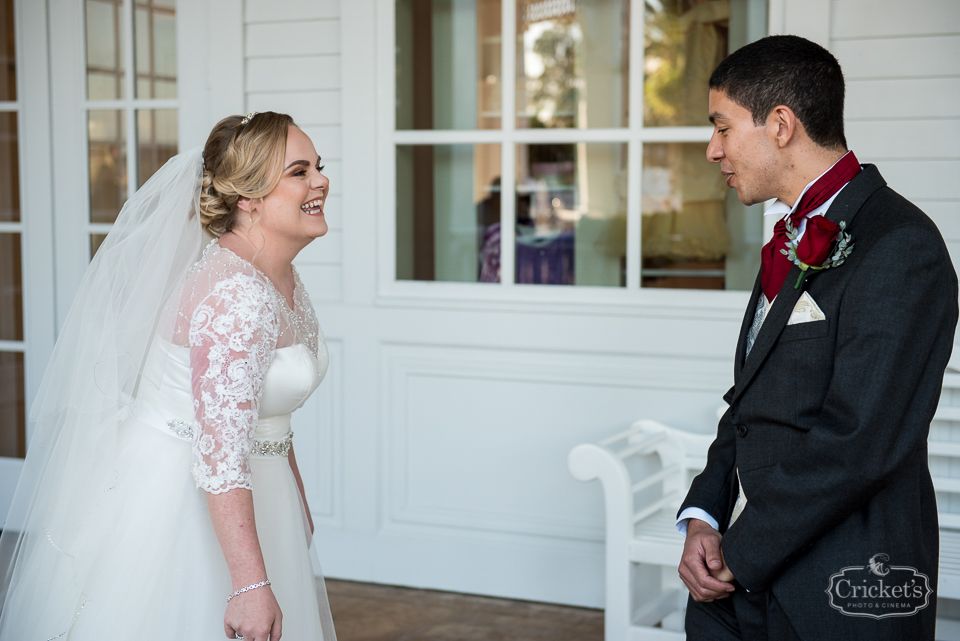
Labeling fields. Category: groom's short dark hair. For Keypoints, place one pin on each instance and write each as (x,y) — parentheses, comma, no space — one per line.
(791,71)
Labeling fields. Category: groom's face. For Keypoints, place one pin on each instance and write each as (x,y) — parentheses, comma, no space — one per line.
(746,152)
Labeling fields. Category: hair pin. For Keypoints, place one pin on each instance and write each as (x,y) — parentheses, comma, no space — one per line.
(249,117)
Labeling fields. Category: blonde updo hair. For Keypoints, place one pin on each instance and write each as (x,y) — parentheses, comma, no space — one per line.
(240,160)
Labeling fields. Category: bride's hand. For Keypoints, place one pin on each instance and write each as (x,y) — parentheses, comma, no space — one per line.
(254,616)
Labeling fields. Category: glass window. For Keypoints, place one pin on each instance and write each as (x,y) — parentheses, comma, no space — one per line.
(448,209)
(104,36)
(571,214)
(13,412)
(568,139)
(126,144)
(573,63)
(448,64)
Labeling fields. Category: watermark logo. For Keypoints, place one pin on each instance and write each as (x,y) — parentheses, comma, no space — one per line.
(879,590)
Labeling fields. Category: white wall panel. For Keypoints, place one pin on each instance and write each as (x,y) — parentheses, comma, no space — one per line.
(903,98)
(874,140)
(298,73)
(877,18)
(323,282)
(478,438)
(927,56)
(287,10)
(306,107)
(292,38)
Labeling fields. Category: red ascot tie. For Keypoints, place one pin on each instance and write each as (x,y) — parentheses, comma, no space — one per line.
(774,266)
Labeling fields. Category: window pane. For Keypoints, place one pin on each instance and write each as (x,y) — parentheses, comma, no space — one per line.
(156,50)
(156,139)
(573,63)
(11,288)
(8,52)
(9,168)
(95,241)
(448,64)
(571,214)
(685,41)
(104,50)
(696,234)
(13,411)
(448,209)
(106,131)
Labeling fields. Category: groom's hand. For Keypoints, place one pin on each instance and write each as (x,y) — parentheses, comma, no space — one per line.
(702,567)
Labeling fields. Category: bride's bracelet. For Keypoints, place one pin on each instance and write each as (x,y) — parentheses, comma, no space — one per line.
(248,588)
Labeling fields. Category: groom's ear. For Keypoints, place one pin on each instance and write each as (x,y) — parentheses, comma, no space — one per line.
(782,125)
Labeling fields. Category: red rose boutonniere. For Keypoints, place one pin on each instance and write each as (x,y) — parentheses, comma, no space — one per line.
(824,244)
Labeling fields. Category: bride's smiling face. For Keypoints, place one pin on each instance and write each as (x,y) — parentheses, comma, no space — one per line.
(293,211)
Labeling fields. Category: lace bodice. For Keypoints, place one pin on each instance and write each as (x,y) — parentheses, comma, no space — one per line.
(232,321)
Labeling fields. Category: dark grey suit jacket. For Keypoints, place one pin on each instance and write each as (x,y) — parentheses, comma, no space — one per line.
(828,421)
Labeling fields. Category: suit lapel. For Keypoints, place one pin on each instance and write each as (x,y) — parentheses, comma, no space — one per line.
(844,208)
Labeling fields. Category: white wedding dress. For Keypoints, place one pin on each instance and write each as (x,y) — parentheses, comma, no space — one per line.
(212,413)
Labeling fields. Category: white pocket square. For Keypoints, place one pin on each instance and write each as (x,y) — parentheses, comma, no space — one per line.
(806,311)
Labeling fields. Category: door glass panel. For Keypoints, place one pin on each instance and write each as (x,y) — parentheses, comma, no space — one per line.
(11,288)
(156,139)
(573,63)
(9,168)
(104,49)
(13,414)
(95,241)
(448,212)
(156,49)
(106,129)
(571,214)
(448,64)
(8,52)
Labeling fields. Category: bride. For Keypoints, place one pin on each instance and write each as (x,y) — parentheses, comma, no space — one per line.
(160,498)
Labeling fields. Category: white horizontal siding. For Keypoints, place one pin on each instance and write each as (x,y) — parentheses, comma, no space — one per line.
(299,73)
(902,65)
(308,108)
(292,65)
(882,18)
(916,57)
(902,98)
(875,140)
(290,10)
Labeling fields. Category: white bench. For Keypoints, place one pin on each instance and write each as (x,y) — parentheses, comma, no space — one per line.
(646,471)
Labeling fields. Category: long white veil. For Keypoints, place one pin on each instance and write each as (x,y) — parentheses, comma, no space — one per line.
(90,384)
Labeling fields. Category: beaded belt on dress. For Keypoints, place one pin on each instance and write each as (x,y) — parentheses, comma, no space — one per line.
(259,447)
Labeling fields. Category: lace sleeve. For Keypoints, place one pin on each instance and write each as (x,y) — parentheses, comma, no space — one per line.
(233,336)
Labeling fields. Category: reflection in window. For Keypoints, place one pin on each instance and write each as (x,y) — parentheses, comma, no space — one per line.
(9,168)
(156,48)
(13,414)
(8,52)
(108,163)
(104,35)
(689,222)
(11,288)
(156,139)
(571,214)
(572,63)
(448,64)
(447,198)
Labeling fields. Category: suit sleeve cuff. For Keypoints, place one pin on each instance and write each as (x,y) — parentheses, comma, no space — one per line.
(694,513)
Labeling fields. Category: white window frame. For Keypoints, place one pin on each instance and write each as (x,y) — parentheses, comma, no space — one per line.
(36,206)
(526,297)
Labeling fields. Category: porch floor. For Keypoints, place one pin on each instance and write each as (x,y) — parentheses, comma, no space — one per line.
(371,612)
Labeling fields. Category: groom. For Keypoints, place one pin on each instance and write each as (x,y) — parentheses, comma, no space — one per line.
(815,517)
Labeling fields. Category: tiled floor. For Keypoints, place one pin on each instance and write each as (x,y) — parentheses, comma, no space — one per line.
(370,612)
